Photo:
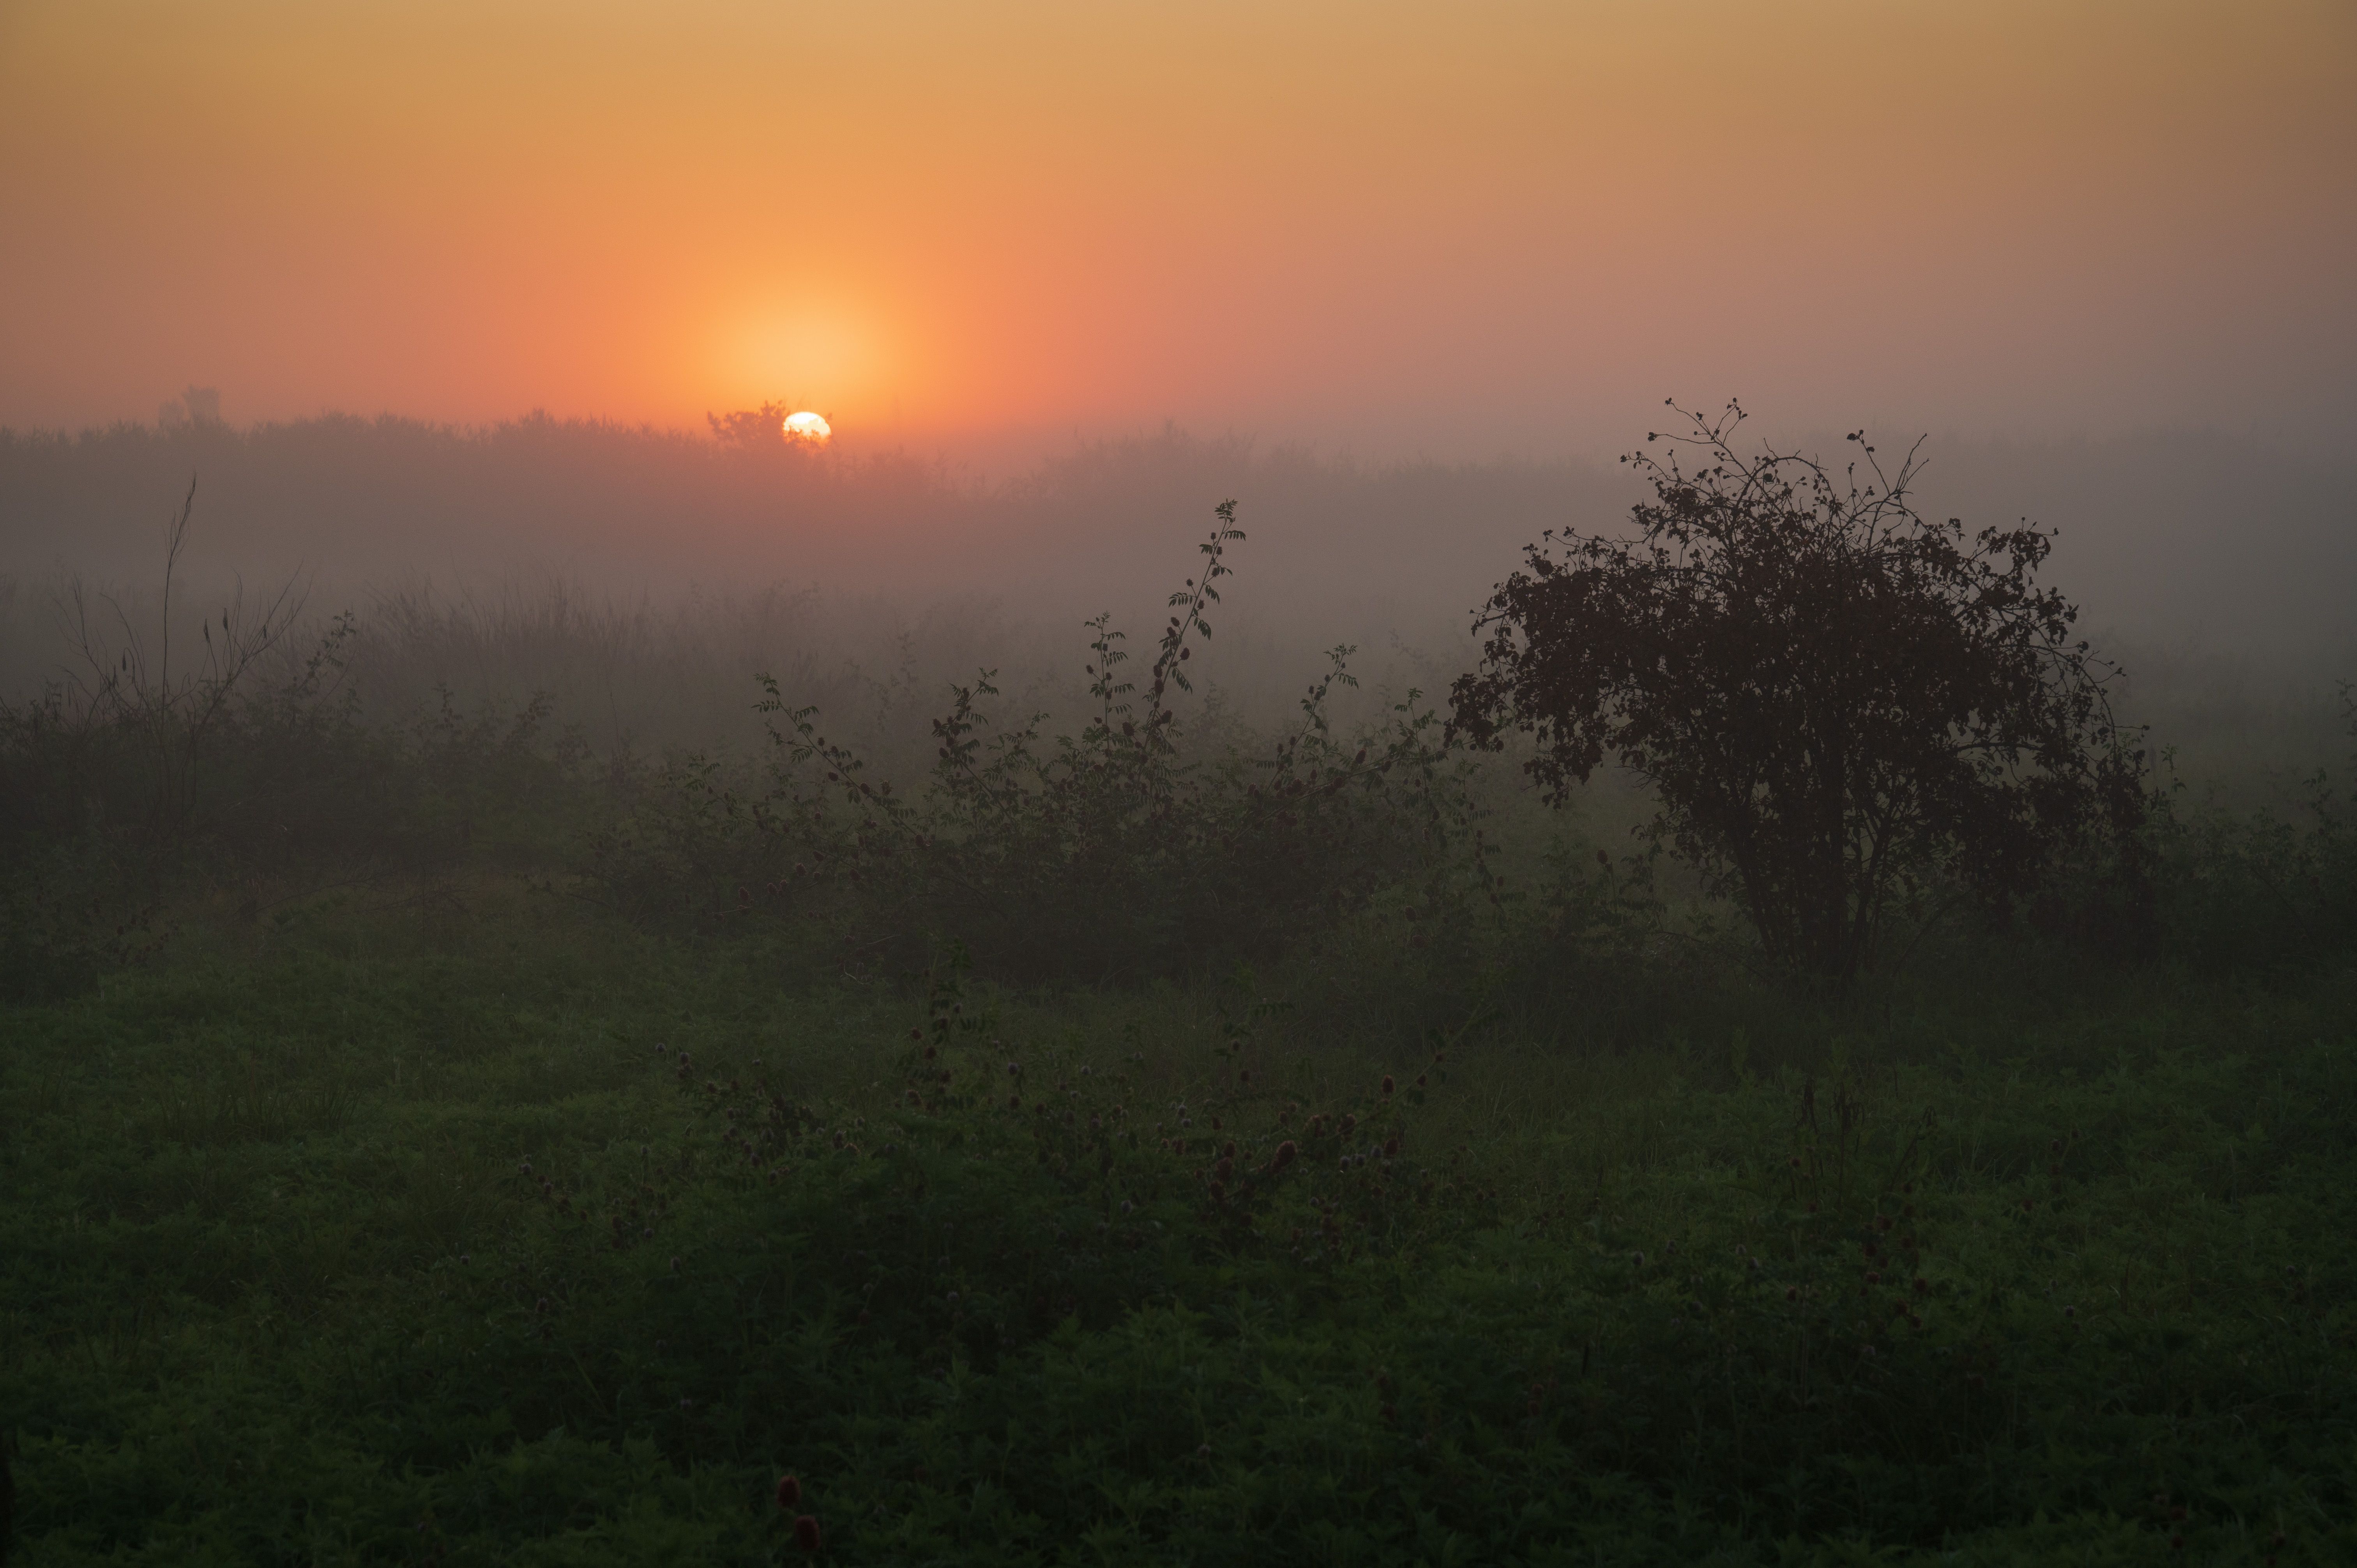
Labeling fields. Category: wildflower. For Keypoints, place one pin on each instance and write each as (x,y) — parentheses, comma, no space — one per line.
(1419,1081)
(2027,1204)
(1015,1069)
(916,1034)
(1349,1122)
(1392,1147)
(1792,1292)
(1640,1260)
(1014,1102)
(1922,1285)
(1873,1277)
(789,1493)
(806,1534)
(1387,1083)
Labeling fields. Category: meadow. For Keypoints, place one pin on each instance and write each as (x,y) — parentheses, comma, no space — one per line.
(427,1136)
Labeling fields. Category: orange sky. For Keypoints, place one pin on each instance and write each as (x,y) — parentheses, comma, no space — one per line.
(1448,229)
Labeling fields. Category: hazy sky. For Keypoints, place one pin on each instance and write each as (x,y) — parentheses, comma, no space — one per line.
(1454,229)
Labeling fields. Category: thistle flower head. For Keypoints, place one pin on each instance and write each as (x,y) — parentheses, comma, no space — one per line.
(789,1493)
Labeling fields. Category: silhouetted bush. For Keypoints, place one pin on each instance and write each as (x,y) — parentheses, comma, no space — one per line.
(1841,707)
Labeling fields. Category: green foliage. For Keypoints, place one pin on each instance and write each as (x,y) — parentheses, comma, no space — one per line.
(519,1236)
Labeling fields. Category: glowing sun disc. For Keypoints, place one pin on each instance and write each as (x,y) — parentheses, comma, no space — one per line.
(807,426)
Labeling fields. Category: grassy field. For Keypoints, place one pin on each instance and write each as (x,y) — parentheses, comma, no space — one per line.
(478,1225)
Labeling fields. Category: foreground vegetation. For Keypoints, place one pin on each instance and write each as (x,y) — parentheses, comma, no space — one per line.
(488,1228)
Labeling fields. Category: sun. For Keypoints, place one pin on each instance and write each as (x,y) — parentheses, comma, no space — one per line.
(808,426)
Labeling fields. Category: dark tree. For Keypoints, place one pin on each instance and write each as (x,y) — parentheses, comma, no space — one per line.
(758,429)
(1838,704)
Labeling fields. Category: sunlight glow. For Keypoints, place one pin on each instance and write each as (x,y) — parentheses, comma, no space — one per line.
(808,426)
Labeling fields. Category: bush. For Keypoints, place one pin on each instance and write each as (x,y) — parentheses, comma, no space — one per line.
(1114,850)
(1840,704)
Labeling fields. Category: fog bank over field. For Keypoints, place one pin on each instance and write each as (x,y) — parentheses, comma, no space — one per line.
(2222,569)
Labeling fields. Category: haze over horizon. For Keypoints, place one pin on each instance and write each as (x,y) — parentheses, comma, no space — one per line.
(1386,229)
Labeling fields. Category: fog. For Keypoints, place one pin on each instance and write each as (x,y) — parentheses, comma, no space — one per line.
(644,575)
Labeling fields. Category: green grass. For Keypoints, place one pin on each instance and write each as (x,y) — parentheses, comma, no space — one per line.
(275,1285)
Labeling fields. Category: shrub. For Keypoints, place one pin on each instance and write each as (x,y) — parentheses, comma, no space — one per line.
(1839,703)
(1114,849)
